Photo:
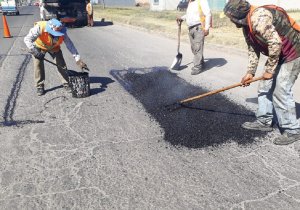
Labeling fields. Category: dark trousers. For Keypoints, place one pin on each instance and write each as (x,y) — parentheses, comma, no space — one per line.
(90,20)
(39,69)
(196,35)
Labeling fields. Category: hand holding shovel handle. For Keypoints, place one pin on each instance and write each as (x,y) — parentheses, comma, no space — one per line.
(179,33)
(45,59)
(180,104)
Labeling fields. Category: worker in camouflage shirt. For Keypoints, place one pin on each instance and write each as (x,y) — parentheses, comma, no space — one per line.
(268,31)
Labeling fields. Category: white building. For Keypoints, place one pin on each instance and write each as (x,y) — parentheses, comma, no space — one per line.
(159,5)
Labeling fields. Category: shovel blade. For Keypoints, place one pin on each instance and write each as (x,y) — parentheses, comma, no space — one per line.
(177,62)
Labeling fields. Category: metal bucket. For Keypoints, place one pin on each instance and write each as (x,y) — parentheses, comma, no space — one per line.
(79,83)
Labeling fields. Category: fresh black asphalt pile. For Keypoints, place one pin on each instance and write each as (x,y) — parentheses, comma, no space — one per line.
(210,121)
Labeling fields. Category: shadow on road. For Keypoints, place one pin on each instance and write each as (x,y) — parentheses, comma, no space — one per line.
(103,82)
(53,88)
(209,63)
(184,66)
(210,121)
(102,23)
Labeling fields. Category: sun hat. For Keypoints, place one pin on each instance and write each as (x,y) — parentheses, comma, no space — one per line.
(55,27)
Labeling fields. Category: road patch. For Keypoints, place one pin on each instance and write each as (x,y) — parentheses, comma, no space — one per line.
(211,121)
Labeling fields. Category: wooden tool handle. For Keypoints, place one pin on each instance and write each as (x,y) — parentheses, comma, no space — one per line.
(179,32)
(218,91)
(54,64)
(45,59)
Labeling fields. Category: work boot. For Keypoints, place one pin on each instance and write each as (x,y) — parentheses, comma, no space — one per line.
(287,138)
(258,126)
(67,88)
(40,91)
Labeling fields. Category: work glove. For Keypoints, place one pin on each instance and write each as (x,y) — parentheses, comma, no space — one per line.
(37,53)
(82,65)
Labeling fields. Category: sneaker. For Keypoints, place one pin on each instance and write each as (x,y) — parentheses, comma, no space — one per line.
(287,138)
(196,71)
(256,125)
(40,91)
(68,89)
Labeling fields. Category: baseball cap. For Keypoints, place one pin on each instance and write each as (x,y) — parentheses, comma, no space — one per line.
(55,27)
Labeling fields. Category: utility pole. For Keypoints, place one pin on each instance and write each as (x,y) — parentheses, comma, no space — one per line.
(103,4)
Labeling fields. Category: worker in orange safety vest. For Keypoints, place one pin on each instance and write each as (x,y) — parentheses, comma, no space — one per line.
(47,37)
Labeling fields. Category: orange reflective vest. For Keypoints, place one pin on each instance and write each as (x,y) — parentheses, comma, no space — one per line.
(202,16)
(45,40)
(293,23)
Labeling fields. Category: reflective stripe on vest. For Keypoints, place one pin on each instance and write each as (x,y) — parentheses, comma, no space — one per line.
(45,40)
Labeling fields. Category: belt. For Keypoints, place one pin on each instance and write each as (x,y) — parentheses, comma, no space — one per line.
(190,27)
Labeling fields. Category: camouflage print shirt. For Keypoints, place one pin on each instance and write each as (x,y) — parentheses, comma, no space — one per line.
(262,26)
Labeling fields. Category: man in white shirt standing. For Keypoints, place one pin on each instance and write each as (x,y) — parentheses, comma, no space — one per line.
(198,19)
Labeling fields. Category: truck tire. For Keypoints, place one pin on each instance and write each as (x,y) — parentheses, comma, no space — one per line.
(85,22)
(81,23)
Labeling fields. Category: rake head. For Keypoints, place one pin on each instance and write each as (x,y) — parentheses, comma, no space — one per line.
(173,107)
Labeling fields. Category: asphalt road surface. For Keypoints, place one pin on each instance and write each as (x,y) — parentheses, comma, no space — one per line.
(121,148)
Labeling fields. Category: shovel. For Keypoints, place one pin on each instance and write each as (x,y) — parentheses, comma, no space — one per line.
(54,64)
(61,66)
(45,59)
(177,61)
(78,81)
(181,104)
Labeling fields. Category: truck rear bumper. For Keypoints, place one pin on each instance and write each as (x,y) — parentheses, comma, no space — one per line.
(9,10)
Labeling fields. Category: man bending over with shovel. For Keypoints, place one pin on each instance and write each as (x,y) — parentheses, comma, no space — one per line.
(47,36)
(268,30)
(198,19)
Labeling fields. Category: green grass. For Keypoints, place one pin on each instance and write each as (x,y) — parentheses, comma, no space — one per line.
(222,33)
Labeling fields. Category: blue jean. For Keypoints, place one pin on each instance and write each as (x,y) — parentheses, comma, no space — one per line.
(275,97)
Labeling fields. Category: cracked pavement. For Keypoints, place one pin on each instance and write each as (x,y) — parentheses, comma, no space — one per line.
(110,151)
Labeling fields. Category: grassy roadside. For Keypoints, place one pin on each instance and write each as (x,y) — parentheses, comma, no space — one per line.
(222,33)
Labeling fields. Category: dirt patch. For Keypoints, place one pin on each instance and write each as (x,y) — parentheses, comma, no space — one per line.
(223,31)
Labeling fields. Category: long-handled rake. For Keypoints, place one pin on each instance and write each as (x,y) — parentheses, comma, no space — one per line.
(181,104)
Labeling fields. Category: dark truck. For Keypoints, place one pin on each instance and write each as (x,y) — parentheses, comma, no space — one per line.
(69,11)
